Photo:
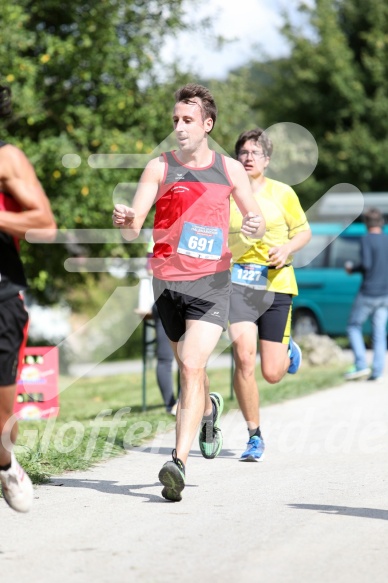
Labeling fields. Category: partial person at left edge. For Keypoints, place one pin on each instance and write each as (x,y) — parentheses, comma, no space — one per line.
(23,206)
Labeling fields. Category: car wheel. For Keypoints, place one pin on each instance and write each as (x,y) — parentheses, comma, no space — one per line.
(304,322)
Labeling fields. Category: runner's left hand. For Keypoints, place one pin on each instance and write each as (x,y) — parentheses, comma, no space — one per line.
(250,225)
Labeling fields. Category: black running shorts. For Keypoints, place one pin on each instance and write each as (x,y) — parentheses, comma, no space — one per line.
(13,335)
(270,311)
(205,299)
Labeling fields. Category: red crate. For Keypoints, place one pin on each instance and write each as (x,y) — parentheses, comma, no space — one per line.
(37,385)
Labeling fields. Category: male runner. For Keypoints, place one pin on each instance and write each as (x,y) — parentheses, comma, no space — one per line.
(263,285)
(191,188)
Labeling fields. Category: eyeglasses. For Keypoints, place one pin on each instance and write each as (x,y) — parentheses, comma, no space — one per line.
(254,154)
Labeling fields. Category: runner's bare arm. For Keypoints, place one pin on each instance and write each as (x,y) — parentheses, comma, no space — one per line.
(253,224)
(131,219)
(18,178)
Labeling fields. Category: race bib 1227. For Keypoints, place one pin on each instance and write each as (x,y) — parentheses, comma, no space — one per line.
(251,274)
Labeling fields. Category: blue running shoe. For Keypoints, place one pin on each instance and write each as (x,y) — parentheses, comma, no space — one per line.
(295,354)
(254,451)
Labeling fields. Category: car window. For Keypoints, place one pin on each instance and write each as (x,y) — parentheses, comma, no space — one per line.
(344,249)
(313,254)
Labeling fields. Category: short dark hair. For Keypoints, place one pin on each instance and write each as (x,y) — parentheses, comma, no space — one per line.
(373,218)
(186,94)
(5,101)
(257,135)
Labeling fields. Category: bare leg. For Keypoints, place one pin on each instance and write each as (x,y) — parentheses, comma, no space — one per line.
(8,427)
(274,360)
(244,338)
(16,486)
(192,353)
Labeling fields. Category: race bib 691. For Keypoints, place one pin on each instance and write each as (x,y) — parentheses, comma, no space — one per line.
(201,241)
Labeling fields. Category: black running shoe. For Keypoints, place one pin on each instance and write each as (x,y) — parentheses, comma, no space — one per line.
(172,476)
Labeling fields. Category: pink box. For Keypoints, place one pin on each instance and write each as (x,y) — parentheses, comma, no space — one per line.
(37,385)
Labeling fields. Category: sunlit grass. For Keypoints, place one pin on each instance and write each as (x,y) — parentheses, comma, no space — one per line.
(102,417)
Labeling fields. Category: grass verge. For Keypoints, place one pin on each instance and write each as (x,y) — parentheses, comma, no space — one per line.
(102,417)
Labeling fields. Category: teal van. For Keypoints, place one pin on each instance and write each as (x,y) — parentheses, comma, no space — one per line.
(326,290)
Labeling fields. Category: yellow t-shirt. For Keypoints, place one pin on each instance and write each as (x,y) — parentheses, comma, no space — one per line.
(284,218)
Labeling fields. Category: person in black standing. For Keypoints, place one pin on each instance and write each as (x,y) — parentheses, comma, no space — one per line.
(164,366)
(164,353)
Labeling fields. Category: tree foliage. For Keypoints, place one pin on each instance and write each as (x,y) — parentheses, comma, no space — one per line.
(335,84)
(85,78)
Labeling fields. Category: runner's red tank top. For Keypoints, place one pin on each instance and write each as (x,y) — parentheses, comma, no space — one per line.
(12,279)
(191,220)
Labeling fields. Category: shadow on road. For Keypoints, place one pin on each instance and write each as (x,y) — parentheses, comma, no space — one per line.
(344,510)
(112,487)
(225,453)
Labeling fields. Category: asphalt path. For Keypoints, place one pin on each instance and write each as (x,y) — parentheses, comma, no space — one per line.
(315,510)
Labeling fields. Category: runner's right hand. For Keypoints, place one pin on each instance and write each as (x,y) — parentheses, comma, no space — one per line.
(123,215)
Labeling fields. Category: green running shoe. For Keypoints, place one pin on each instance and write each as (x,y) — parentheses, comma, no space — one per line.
(172,476)
(210,436)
